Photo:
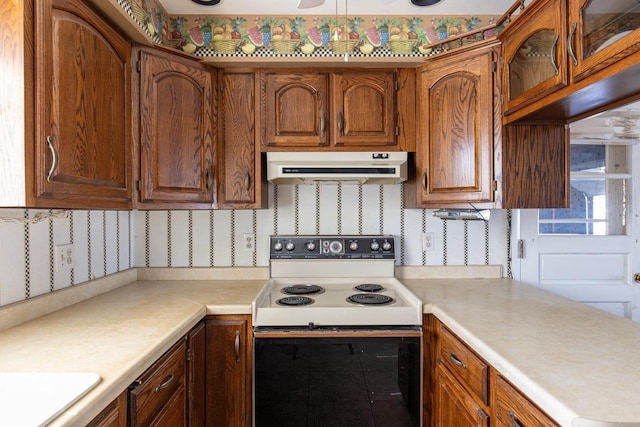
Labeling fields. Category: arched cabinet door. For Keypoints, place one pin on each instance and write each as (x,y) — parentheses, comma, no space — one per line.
(176,131)
(364,109)
(455,146)
(82,109)
(295,109)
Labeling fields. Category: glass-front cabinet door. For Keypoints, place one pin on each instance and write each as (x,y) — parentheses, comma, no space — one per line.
(534,52)
(602,32)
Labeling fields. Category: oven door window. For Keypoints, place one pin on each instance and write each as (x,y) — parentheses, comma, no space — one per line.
(337,381)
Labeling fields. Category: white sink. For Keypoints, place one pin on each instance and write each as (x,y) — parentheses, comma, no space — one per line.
(36,398)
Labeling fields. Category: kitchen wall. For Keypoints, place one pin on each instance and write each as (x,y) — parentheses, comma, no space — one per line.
(106,242)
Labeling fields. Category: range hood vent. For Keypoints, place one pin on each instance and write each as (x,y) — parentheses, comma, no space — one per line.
(336,166)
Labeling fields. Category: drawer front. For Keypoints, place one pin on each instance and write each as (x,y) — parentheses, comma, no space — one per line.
(466,366)
(153,390)
(512,408)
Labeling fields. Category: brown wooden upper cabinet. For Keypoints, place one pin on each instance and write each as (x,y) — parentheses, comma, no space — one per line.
(177,139)
(82,109)
(534,54)
(337,110)
(601,33)
(239,170)
(457,128)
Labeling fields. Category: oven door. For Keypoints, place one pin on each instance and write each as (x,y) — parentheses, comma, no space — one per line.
(337,376)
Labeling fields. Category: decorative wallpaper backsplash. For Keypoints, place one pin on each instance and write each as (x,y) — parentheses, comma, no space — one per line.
(105,242)
(259,36)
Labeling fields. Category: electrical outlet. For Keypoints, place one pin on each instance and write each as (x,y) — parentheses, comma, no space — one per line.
(249,241)
(64,257)
(428,241)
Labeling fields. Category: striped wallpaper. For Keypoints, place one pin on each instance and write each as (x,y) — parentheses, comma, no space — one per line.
(106,242)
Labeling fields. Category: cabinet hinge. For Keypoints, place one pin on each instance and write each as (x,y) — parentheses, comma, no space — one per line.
(494,185)
(138,66)
(188,355)
(138,185)
(397,85)
(494,66)
(221,87)
(397,130)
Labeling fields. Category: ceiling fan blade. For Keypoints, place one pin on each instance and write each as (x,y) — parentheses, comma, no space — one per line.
(307,4)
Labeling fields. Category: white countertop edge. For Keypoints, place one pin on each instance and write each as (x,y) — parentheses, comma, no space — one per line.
(203,273)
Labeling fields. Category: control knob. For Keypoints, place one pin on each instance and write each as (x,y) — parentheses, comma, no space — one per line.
(277,246)
(335,247)
(386,246)
(290,246)
(311,246)
(353,246)
(375,246)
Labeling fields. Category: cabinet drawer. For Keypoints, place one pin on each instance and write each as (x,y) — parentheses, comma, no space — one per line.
(512,408)
(466,366)
(157,386)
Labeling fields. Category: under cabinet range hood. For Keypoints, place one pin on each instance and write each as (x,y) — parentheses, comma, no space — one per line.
(336,166)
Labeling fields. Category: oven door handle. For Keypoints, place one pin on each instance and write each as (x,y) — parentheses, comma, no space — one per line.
(336,332)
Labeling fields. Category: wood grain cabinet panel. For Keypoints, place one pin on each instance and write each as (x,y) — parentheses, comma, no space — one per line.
(512,408)
(82,108)
(229,350)
(176,131)
(196,376)
(114,415)
(239,172)
(295,110)
(363,108)
(456,132)
(455,407)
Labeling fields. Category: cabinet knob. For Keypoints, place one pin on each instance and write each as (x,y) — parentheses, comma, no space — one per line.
(247,180)
(340,123)
(322,124)
(54,157)
(165,383)
(236,346)
(552,55)
(572,34)
(424,181)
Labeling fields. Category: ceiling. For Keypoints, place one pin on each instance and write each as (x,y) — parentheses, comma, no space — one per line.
(355,7)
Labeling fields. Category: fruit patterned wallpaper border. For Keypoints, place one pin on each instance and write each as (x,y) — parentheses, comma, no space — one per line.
(303,36)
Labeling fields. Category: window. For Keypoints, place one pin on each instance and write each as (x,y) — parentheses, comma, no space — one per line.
(600,180)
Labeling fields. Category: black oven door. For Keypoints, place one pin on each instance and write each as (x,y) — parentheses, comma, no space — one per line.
(337,378)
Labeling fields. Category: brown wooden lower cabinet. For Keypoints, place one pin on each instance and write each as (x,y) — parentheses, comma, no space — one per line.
(114,415)
(196,376)
(512,408)
(454,406)
(461,389)
(228,358)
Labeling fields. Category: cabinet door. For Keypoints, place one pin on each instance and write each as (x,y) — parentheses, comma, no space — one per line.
(114,415)
(602,32)
(239,166)
(229,371)
(454,407)
(534,53)
(196,376)
(295,109)
(456,132)
(363,109)
(82,123)
(176,130)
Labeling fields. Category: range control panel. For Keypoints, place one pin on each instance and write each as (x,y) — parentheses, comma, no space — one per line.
(332,247)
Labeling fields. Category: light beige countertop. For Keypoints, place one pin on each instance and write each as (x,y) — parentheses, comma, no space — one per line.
(579,364)
(118,334)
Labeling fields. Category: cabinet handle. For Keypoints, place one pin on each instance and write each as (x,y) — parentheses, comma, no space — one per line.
(454,359)
(340,123)
(247,180)
(514,420)
(165,383)
(572,34)
(236,346)
(552,56)
(424,181)
(322,124)
(54,156)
